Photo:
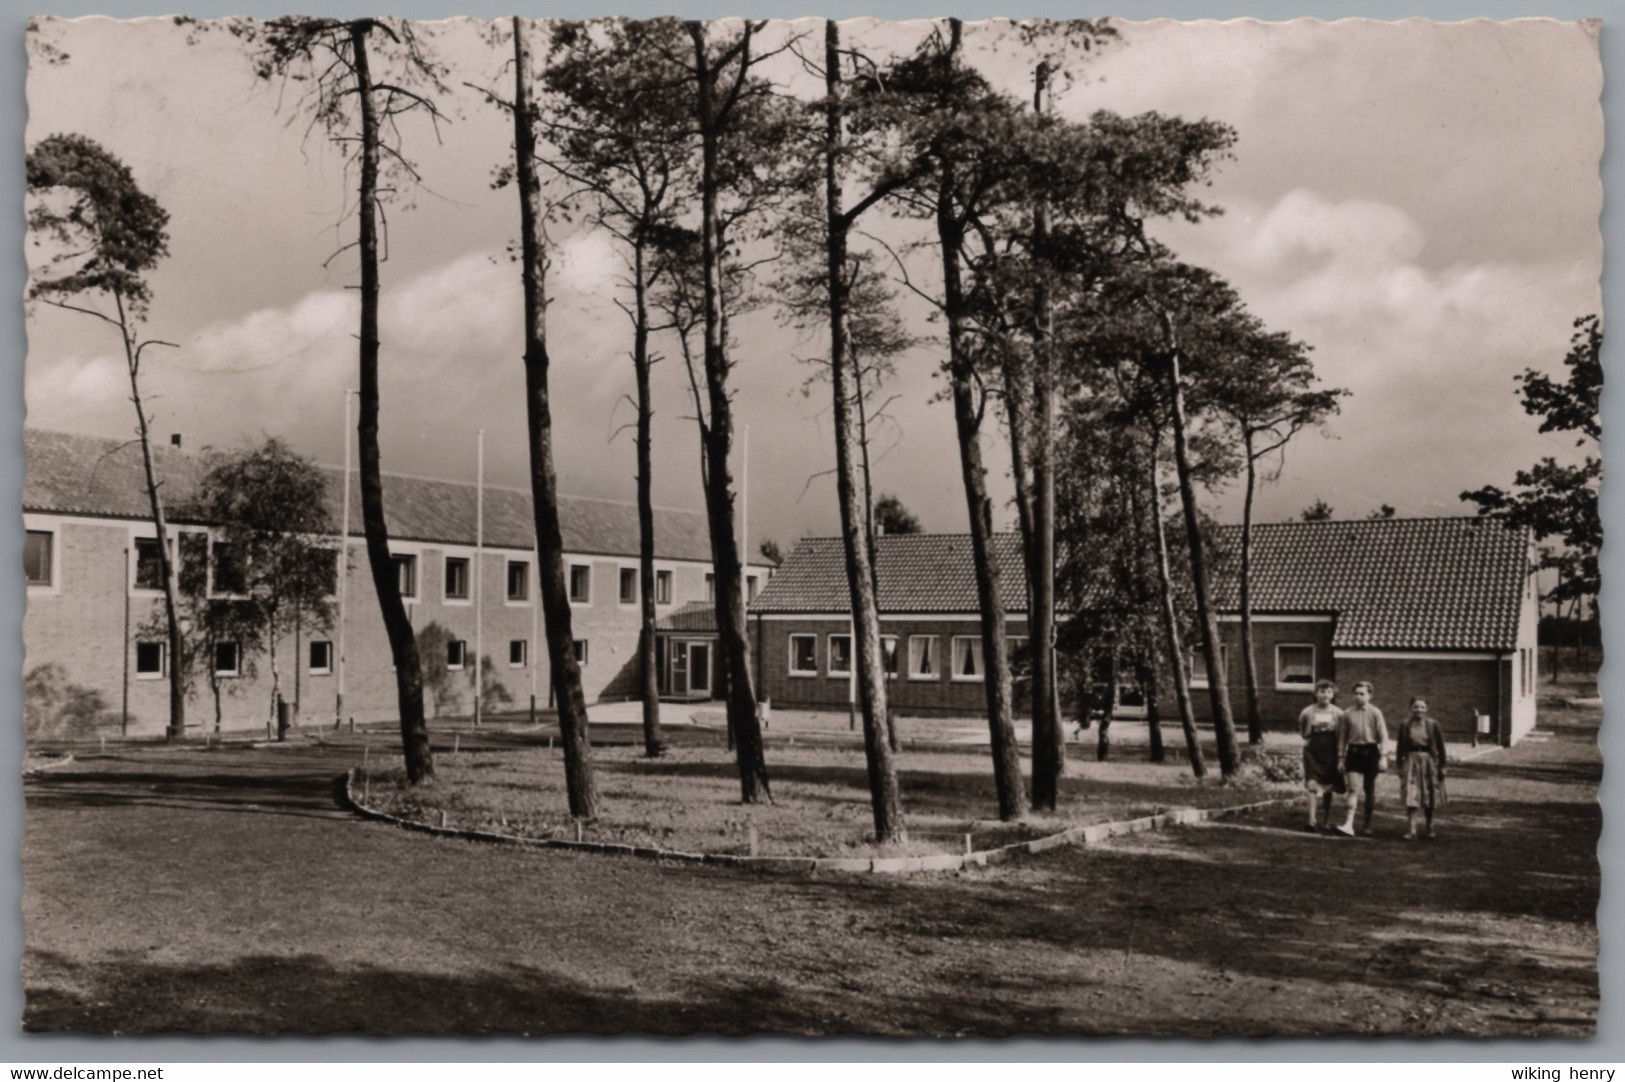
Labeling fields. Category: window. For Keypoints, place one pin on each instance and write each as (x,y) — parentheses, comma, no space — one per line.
(149,661)
(1294,666)
(518,653)
(456,654)
(840,655)
(888,654)
(803,655)
(149,569)
(752,587)
(710,586)
(580,584)
(227,656)
(663,587)
(1198,665)
(229,568)
(922,657)
(518,580)
(37,557)
(581,651)
(456,578)
(629,586)
(406,576)
(967,657)
(321,657)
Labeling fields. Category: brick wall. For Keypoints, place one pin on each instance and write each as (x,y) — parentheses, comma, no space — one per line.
(941,696)
(1453,688)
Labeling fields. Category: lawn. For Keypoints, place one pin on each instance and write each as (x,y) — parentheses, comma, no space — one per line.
(688,800)
(224,891)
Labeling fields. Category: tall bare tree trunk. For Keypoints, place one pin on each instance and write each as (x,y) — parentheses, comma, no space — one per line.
(1146,674)
(968,422)
(871,680)
(1049,735)
(1170,625)
(654,743)
(403,645)
(565,670)
(1145,670)
(166,566)
(1255,725)
(1224,726)
(732,632)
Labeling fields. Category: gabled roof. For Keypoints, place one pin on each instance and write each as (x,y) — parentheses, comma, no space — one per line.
(99,477)
(1394,584)
(917,573)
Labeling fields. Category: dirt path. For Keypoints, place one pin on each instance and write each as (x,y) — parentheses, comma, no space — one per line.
(224,892)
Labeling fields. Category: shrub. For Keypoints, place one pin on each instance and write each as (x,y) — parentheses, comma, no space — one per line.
(55,709)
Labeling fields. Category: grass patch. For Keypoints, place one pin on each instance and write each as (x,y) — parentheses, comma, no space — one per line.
(688,800)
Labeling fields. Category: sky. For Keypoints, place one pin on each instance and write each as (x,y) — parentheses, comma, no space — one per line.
(1418,202)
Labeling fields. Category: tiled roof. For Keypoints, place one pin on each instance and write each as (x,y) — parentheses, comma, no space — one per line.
(95,476)
(694,616)
(926,573)
(1394,584)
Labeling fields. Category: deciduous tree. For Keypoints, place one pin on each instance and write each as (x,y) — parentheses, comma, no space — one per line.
(1552,498)
(267,507)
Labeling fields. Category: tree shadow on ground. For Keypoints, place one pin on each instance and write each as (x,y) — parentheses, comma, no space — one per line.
(311,794)
(306,993)
(1283,904)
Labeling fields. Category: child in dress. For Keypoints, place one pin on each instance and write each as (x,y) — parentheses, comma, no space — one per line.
(1421,765)
(1322,726)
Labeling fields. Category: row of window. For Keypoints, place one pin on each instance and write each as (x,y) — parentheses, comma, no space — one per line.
(924,656)
(1294,665)
(228,575)
(152,657)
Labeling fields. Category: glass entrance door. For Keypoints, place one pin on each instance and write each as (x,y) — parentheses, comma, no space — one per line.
(679,669)
(699,668)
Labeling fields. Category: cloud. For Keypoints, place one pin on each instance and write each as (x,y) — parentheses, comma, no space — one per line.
(1428,351)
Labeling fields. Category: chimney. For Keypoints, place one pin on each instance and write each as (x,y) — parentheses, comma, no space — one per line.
(880,529)
(175,440)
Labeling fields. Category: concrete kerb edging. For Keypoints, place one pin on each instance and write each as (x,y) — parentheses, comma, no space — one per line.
(943,862)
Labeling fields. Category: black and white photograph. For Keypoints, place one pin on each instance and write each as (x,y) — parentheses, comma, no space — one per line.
(829,527)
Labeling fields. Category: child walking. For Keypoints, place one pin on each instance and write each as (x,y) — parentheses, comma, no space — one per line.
(1421,765)
(1365,754)
(1323,729)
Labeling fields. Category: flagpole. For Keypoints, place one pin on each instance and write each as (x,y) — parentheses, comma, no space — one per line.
(744,515)
(479,578)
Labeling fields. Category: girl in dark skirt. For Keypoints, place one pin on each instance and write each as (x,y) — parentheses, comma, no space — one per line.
(1421,765)
(1321,724)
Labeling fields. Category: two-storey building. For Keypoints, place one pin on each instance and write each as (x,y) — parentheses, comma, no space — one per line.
(94,589)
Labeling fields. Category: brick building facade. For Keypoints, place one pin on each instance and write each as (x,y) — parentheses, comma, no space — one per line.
(1443,608)
(90,610)
(929,620)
